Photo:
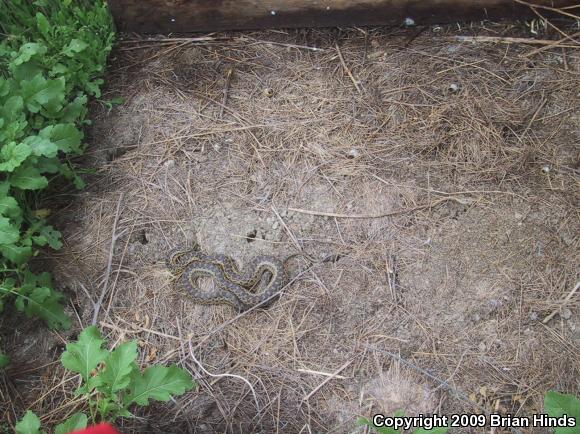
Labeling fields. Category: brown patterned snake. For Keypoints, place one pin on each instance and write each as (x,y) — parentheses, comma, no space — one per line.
(231,284)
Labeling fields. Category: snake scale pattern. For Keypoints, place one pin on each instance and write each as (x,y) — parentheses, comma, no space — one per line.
(232,286)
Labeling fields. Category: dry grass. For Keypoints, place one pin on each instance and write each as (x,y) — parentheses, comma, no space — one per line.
(436,308)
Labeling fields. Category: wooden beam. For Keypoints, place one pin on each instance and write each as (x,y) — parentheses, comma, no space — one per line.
(166,16)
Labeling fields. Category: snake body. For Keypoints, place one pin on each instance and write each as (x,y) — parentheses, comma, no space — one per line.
(232,286)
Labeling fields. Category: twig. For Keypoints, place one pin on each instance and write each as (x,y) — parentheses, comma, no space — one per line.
(376,216)
(508,40)
(346,68)
(198,363)
(229,73)
(562,303)
(114,238)
(548,8)
(325,374)
(558,43)
(326,380)
(205,133)
(534,116)
(139,330)
(299,47)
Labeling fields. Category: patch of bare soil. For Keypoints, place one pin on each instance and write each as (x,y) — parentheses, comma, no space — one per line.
(432,182)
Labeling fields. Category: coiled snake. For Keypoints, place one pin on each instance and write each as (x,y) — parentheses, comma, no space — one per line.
(232,286)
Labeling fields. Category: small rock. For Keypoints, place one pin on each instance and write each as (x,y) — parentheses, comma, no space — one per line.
(353,153)
(482,347)
(566,313)
(275,225)
(453,87)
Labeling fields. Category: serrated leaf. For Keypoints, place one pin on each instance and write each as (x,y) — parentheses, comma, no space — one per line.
(26,71)
(28,50)
(16,254)
(13,154)
(76,422)
(41,146)
(118,366)
(48,235)
(84,355)
(159,383)
(28,178)
(40,92)
(45,303)
(13,109)
(29,424)
(65,137)
(75,46)
(75,110)
(94,87)
(9,207)
(9,233)
(558,404)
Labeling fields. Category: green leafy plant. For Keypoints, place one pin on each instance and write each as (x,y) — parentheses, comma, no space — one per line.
(557,404)
(111,382)
(52,55)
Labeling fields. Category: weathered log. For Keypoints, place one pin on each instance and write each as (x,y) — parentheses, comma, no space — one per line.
(165,16)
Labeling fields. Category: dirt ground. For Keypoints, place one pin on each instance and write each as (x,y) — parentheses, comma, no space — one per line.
(432,181)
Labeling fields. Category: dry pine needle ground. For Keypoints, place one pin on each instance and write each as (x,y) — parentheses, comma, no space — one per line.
(271,142)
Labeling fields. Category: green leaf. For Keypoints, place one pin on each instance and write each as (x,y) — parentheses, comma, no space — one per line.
(13,155)
(159,383)
(45,303)
(27,51)
(76,422)
(29,424)
(117,100)
(40,92)
(66,137)
(558,404)
(13,109)
(9,233)
(42,23)
(4,360)
(119,365)
(74,110)
(28,178)
(9,207)
(84,355)
(16,254)
(75,46)
(48,235)
(41,146)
